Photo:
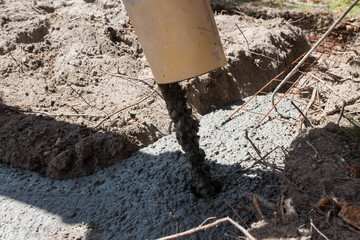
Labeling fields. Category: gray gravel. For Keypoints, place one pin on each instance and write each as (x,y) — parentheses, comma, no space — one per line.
(146,196)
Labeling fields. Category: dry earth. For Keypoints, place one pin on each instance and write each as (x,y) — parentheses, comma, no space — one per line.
(67,65)
(75,63)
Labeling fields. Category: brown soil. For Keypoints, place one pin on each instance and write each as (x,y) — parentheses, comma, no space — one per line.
(75,63)
(66,65)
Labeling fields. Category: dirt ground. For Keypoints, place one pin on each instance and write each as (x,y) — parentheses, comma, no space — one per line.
(77,95)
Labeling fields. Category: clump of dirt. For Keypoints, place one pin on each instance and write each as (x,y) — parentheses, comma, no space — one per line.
(77,62)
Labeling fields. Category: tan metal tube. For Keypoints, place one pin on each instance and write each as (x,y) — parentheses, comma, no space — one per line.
(180,38)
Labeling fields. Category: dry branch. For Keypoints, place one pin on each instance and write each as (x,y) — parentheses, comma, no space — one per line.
(336,93)
(313,148)
(303,114)
(282,208)
(257,207)
(14,109)
(312,225)
(207,226)
(86,102)
(122,109)
(266,203)
(247,43)
(17,63)
(252,144)
(236,213)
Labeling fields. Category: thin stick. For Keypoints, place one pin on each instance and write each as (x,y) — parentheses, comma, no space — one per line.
(303,114)
(338,95)
(262,55)
(257,207)
(119,75)
(252,144)
(129,106)
(207,226)
(313,148)
(329,87)
(247,43)
(311,50)
(263,162)
(17,63)
(236,213)
(262,200)
(312,224)
(282,207)
(47,113)
(252,52)
(61,114)
(92,106)
(174,217)
(209,218)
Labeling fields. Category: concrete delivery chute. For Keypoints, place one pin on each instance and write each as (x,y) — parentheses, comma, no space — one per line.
(180,40)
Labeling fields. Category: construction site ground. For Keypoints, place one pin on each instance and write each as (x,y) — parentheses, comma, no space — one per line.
(87,149)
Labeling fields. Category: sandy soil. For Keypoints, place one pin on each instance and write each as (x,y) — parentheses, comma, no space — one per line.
(67,65)
(75,81)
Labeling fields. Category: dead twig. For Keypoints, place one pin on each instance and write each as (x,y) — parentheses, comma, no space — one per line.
(308,106)
(282,208)
(236,213)
(247,43)
(347,102)
(313,148)
(207,226)
(61,114)
(122,109)
(17,63)
(257,207)
(252,144)
(125,76)
(316,229)
(262,159)
(209,218)
(14,109)
(86,102)
(336,93)
(174,217)
(266,203)
(303,114)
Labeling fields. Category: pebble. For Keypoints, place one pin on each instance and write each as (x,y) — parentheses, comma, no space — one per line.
(70,214)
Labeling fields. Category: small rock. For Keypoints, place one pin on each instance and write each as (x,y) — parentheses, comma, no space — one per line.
(91,224)
(70,214)
(122,23)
